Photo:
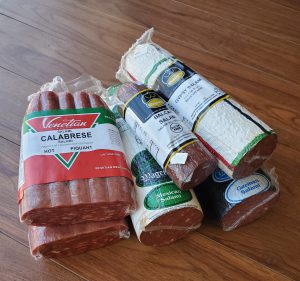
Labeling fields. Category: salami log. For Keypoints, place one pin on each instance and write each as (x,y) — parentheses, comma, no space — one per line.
(72,168)
(174,147)
(237,202)
(74,239)
(165,213)
(239,140)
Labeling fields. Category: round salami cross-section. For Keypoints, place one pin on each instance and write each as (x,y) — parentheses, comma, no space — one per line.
(171,226)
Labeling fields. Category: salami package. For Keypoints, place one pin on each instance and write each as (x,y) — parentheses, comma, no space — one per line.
(74,239)
(72,164)
(174,147)
(238,139)
(165,213)
(237,202)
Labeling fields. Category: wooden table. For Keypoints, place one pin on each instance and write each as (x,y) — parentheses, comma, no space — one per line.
(251,49)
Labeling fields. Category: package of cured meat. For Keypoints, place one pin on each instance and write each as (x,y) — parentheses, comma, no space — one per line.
(74,239)
(72,165)
(174,147)
(237,202)
(165,213)
(240,141)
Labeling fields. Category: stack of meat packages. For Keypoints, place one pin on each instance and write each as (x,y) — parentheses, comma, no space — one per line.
(165,144)
(190,126)
(75,188)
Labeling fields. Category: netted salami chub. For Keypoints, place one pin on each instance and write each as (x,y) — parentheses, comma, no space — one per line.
(240,141)
(74,239)
(164,213)
(173,146)
(237,202)
(72,166)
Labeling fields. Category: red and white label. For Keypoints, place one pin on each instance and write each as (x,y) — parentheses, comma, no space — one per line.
(69,146)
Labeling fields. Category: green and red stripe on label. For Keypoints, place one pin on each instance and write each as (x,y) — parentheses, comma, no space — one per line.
(42,169)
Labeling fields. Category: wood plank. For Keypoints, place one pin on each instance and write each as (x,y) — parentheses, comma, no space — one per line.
(212,34)
(265,16)
(40,56)
(292,4)
(195,258)
(16,265)
(191,257)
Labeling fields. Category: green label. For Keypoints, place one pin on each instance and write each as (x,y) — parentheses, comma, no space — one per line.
(147,171)
(166,195)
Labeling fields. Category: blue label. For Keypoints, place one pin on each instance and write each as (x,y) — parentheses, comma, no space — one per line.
(239,190)
(220,176)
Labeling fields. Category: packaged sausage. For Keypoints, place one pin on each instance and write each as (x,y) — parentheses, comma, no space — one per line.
(165,213)
(239,140)
(72,165)
(173,146)
(235,202)
(74,239)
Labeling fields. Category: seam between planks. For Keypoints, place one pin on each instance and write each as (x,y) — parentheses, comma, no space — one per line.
(20,75)
(52,260)
(247,257)
(54,34)
(236,22)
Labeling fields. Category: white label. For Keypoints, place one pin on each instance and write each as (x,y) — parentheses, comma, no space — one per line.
(192,97)
(103,136)
(161,133)
(239,190)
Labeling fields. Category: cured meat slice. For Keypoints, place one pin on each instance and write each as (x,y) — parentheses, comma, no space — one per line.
(78,200)
(238,202)
(165,213)
(240,141)
(74,239)
(165,136)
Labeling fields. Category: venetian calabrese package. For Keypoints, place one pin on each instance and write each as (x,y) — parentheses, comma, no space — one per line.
(72,162)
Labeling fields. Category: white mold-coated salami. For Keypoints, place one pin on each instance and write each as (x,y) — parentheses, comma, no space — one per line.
(239,140)
(165,213)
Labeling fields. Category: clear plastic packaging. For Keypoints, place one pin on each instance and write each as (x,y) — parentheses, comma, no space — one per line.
(72,164)
(239,140)
(233,203)
(67,240)
(165,213)
(174,147)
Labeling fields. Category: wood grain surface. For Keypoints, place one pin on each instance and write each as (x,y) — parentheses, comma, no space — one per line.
(250,49)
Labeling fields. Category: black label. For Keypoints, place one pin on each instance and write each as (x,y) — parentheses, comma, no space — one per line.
(146,170)
(145,105)
(171,78)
